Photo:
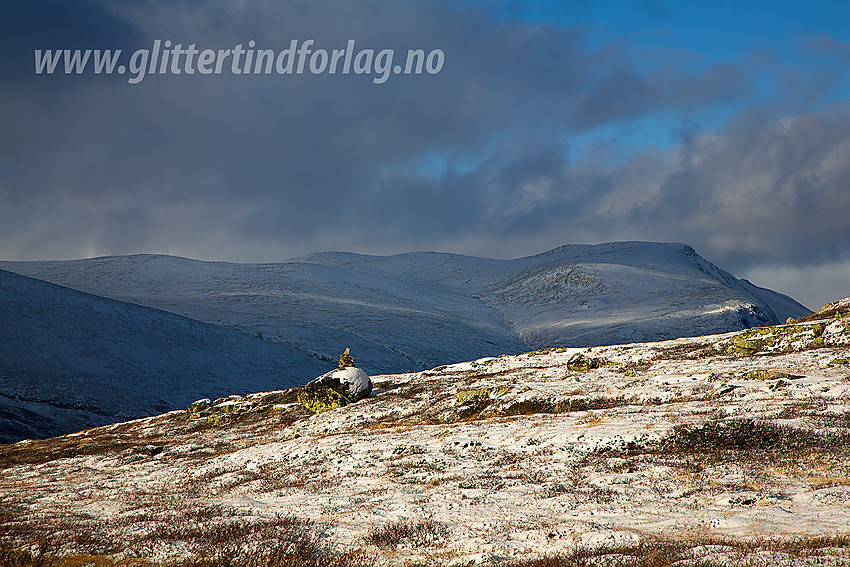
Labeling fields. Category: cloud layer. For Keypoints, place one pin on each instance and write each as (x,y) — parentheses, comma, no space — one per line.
(528,138)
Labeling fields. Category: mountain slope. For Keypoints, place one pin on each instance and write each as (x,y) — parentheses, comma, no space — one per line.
(420,310)
(721,450)
(585,295)
(70,360)
(638,291)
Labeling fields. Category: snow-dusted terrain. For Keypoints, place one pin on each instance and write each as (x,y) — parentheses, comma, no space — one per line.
(414,311)
(70,360)
(730,450)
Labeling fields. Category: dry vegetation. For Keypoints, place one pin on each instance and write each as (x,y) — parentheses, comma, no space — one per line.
(235,542)
(756,552)
(749,440)
(396,533)
(174,488)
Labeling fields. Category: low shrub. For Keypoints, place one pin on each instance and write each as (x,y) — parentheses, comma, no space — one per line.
(750,437)
(394,534)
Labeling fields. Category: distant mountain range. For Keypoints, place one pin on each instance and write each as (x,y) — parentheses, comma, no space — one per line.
(106,359)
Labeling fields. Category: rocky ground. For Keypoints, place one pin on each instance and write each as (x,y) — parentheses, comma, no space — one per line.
(717,450)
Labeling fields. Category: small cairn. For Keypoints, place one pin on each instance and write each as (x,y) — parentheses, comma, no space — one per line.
(345,359)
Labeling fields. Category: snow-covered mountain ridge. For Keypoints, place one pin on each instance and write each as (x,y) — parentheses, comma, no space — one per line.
(722,450)
(418,310)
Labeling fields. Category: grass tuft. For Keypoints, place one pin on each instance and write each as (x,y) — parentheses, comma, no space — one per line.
(752,438)
(394,534)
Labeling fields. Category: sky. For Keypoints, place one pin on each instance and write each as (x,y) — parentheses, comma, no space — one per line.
(723,124)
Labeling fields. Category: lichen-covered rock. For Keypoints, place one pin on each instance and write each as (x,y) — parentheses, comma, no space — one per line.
(749,345)
(579,361)
(467,396)
(762,374)
(319,398)
(335,389)
(200,405)
(230,398)
(810,334)
(219,419)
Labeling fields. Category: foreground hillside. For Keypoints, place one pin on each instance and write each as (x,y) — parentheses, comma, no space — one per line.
(70,360)
(730,449)
(415,311)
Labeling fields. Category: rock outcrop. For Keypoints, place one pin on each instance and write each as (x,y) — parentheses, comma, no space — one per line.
(336,388)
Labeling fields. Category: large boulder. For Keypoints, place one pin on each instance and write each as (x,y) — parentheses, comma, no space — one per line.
(336,388)
(354,382)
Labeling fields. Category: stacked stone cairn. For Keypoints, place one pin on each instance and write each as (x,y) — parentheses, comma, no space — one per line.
(337,388)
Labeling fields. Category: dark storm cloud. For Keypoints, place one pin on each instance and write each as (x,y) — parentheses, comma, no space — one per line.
(779,188)
(26,25)
(760,191)
(484,157)
(265,156)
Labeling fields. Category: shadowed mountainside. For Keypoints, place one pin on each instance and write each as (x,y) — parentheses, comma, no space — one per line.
(70,360)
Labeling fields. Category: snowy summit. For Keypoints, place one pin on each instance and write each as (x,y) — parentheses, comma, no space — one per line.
(422,309)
